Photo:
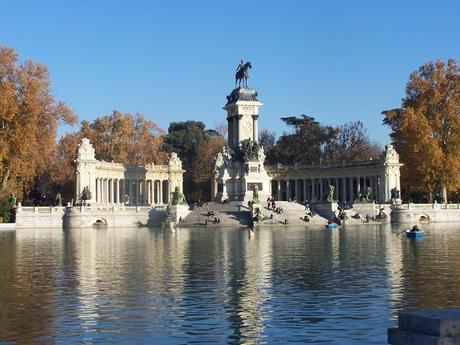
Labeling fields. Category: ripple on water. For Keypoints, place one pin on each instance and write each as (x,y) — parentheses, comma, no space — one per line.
(219,286)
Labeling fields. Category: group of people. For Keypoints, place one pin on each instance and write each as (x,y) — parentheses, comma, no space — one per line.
(271,205)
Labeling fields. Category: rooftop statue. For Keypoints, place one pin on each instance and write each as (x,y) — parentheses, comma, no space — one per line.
(242,74)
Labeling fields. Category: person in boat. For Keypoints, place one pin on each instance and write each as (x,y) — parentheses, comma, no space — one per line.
(415,228)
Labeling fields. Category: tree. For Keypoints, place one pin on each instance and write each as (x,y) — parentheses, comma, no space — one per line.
(426,129)
(196,147)
(29,117)
(119,137)
(351,143)
(306,145)
(267,140)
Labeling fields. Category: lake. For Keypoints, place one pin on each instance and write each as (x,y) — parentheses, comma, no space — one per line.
(220,286)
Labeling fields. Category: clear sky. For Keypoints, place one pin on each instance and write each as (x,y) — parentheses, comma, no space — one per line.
(338,61)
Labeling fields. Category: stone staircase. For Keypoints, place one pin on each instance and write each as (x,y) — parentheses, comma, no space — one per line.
(292,212)
(231,214)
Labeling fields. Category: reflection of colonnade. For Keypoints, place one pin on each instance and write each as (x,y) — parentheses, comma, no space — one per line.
(131,184)
(351,180)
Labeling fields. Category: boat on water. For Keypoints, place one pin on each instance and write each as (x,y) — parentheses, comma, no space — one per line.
(414,234)
(331,226)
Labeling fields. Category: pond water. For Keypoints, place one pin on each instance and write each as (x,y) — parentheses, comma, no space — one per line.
(220,286)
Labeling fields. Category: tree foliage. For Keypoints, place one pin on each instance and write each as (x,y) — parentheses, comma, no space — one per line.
(197,148)
(29,117)
(426,129)
(306,143)
(267,140)
(351,143)
(119,137)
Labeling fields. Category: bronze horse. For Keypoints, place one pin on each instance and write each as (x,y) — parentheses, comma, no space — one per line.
(242,74)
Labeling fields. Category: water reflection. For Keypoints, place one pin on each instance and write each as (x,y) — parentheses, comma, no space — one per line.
(221,286)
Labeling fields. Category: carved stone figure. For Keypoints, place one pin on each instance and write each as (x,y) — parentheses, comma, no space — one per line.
(395,194)
(389,156)
(242,74)
(368,194)
(178,198)
(174,161)
(13,200)
(248,150)
(85,195)
(330,194)
(85,150)
(255,194)
(58,199)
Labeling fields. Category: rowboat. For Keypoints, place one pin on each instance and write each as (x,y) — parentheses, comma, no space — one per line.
(331,226)
(414,234)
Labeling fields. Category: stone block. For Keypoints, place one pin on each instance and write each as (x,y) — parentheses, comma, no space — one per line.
(443,323)
(397,336)
(421,327)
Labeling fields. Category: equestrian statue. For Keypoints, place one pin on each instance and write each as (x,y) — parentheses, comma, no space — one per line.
(242,74)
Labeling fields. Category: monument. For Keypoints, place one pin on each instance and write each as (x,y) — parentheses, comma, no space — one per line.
(239,168)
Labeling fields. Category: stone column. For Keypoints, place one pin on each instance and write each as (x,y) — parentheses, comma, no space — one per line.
(230,130)
(278,186)
(111,193)
(121,191)
(296,188)
(337,189)
(101,190)
(97,190)
(305,190)
(235,131)
(141,192)
(321,189)
(240,127)
(147,192)
(255,129)
(107,191)
(161,192)
(109,182)
(344,189)
(288,189)
(312,195)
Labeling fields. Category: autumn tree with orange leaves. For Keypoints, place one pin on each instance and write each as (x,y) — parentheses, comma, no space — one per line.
(119,137)
(426,130)
(29,117)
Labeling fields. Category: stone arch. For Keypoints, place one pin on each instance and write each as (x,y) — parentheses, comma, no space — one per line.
(101,222)
(423,217)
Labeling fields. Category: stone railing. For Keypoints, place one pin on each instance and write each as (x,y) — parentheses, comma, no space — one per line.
(86,216)
(411,206)
(40,209)
(103,208)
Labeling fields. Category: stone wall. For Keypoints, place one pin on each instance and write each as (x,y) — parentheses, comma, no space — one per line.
(413,213)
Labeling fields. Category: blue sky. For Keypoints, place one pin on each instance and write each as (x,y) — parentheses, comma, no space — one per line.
(338,61)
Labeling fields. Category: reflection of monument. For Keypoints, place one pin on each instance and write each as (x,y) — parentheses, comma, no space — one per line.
(240,166)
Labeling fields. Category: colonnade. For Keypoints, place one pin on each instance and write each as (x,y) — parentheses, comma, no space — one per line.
(132,191)
(347,189)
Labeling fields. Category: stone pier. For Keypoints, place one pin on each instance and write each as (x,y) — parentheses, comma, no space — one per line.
(440,327)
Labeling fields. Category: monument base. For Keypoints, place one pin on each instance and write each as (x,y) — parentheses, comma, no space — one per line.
(326,209)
